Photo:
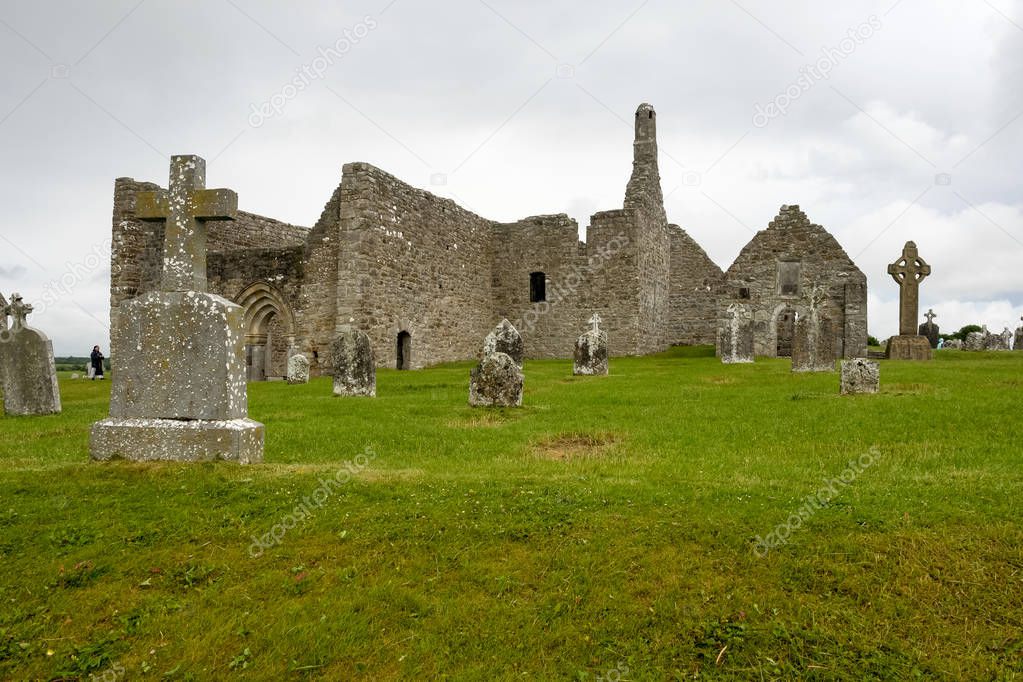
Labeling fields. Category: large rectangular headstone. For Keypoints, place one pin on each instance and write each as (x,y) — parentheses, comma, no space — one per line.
(179,388)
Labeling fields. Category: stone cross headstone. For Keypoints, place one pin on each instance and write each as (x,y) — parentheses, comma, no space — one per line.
(1017,343)
(28,373)
(930,330)
(179,388)
(735,335)
(909,272)
(813,340)
(355,370)
(497,381)
(590,357)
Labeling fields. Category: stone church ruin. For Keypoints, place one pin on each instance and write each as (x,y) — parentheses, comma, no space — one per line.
(425,279)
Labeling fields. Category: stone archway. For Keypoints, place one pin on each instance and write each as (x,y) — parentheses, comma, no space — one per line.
(269,331)
(782,329)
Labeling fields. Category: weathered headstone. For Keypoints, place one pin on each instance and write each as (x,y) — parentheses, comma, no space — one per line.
(860,376)
(27,370)
(908,272)
(735,335)
(591,350)
(298,369)
(1006,339)
(930,330)
(954,344)
(813,341)
(497,381)
(179,388)
(976,340)
(503,339)
(1017,343)
(355,371)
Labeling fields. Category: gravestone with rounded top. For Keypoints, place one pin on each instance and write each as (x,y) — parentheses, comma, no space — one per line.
(179,388)
(27,370)
(497,381)
(298,369)
(590,358)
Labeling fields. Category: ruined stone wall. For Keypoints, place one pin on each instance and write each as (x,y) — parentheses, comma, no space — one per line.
(317,311)
(612,285)
(695,286)
(251,231)
(414,262)
(547,244)
(282,269)
(791,238)
(136,252)
(653,269)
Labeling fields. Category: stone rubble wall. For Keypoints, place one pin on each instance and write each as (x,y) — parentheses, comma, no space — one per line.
(696,285)
(412,262)
(791,236)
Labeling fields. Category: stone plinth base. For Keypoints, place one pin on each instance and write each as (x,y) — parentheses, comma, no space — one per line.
(152,440)
(908,348)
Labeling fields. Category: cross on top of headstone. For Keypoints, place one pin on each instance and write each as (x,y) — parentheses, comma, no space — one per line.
(908,272)
(595,320)
(18,311)
(185,206)
(930,316)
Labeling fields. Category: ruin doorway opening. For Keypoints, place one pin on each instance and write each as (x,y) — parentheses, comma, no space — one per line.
(786,325)
(404,353)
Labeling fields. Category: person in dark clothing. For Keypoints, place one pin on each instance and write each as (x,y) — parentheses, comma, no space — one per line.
(97,363)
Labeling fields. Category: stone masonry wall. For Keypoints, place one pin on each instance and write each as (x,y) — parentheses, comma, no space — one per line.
(547,244)
(412,262)
(695,287)
(791,237)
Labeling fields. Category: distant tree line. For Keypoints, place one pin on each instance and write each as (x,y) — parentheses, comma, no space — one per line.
(76,364)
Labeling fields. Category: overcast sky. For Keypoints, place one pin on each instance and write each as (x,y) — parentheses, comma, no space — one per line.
(902,120)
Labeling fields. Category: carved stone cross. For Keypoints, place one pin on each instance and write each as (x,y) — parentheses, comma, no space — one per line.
(930,317)
(595,320)
(186,205)
(18,310)
(908,272)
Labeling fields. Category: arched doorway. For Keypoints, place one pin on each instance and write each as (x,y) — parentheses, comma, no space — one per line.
(269,332)
(785,323)
(404,350)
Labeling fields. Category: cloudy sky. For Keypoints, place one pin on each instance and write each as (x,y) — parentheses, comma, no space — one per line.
(885,121)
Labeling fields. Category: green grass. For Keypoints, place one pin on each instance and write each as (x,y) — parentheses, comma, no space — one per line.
(609,526)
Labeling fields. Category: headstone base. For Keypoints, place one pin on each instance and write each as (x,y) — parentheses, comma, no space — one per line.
(173,440)
(860,376)
(908,348)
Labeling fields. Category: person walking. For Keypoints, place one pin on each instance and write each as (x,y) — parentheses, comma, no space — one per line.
(97,363)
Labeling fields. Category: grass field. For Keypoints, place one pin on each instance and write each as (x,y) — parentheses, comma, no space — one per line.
(614,528)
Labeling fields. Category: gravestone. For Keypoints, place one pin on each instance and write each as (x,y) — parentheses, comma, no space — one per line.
(929,329)
(908,272)
(813,341)
(1006,339)
(355,370)
(27,371)
(503,339)
(298,369)
(860,376)
(179,391)
(591,351)
(975,341)
(497,381)
(954,344)
(735,335)
(1017,343)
